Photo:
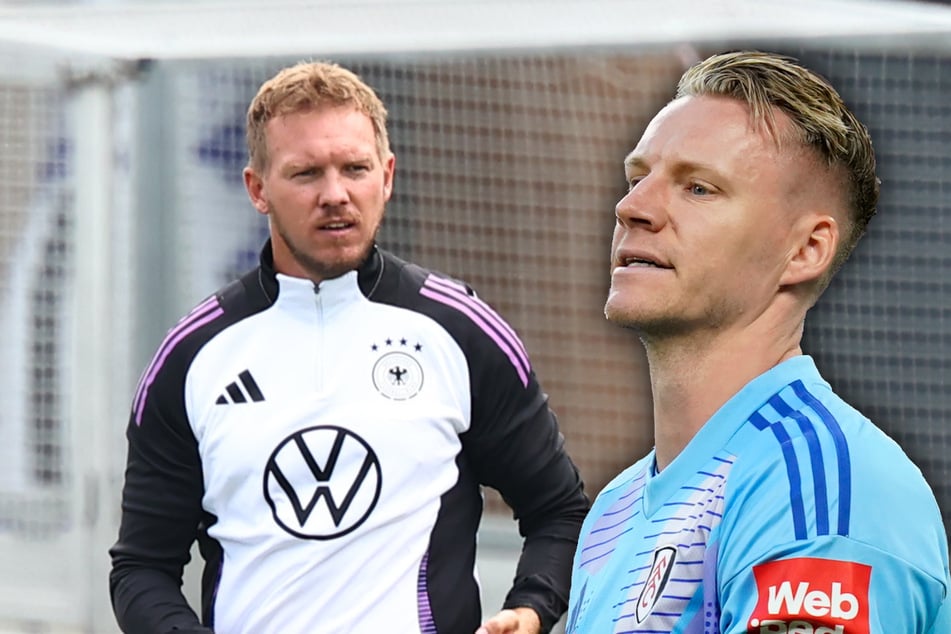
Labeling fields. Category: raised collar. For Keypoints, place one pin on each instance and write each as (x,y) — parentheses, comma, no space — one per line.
(368,274)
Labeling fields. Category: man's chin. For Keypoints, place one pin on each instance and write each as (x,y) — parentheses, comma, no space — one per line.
(620,315)
(333,270)
(328,269)
(643,325)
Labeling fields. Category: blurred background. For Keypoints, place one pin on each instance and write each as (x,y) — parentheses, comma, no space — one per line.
(121,206)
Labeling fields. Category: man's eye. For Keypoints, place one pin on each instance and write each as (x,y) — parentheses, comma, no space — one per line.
(305,172)
(632,182)
(699,190)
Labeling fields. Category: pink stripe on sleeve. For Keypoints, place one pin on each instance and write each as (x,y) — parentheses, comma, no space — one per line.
(204,314)
(521,365)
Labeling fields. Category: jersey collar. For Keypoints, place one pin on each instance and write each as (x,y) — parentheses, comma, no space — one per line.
(353,285)
(715,433)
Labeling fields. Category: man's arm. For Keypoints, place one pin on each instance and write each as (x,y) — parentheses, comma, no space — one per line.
(513,445)
(833,584)
(878,564)
(520,452)
(161,512)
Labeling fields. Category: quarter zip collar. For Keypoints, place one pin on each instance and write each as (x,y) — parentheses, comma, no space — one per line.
(365,278)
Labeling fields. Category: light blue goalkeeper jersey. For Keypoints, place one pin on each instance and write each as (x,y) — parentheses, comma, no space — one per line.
(789,512)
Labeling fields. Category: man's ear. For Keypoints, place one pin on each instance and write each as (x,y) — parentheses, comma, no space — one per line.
(816,240)
(255,186)
(389,168)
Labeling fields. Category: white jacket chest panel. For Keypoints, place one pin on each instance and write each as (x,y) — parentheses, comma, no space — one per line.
(328,428)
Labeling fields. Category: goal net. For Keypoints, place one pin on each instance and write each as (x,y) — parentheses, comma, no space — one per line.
(122,205)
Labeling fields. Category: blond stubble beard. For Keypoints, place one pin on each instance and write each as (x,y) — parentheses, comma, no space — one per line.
(657,329)
(317,269)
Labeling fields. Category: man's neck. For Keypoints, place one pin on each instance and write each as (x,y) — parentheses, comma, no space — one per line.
(691,378)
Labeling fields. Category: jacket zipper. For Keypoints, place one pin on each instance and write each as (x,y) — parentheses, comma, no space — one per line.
(319,356)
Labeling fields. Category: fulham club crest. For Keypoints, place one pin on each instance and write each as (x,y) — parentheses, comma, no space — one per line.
(397,374)
(656,581)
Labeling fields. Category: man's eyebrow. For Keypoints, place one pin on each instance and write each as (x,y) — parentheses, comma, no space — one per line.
(633,160)
(639,162)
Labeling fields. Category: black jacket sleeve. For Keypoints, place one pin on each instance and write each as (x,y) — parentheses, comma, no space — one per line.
(161,513)
(517,448)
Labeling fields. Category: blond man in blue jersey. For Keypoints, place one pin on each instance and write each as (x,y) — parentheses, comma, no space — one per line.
(768,504)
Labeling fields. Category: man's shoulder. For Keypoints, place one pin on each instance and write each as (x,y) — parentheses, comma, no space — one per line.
(401,280)
(452,302)
(812,465)
(229,304)
(807,432)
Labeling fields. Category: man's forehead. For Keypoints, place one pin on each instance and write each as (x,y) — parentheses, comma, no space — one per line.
(704,122)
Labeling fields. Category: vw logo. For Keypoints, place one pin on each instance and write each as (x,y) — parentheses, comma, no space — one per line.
(322,482)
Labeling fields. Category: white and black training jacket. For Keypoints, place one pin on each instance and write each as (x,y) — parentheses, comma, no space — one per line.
(326,445)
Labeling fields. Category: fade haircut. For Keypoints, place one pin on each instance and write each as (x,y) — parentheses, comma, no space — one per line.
(819,115)
(305,87)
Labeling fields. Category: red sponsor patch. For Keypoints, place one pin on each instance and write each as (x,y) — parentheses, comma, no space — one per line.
(807,595)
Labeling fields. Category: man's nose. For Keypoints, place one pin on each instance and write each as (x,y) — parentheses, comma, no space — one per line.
(333,191)
(645,204)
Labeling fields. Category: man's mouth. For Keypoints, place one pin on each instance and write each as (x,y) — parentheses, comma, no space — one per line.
(638,262)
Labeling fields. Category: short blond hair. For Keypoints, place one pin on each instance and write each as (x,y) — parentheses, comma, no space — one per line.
(308,86)
(818,114)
